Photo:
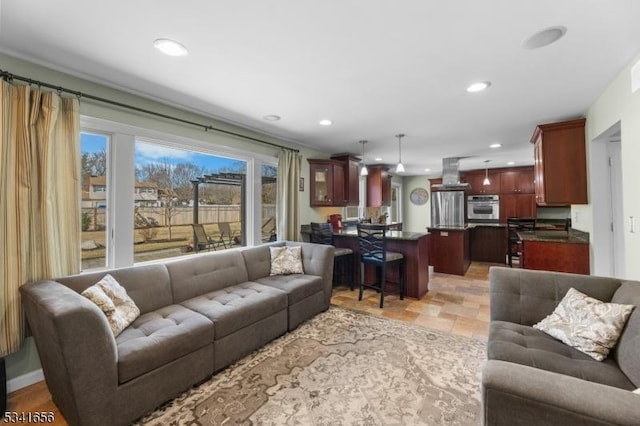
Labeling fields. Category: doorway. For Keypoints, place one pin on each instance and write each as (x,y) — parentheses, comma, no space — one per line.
(606,198)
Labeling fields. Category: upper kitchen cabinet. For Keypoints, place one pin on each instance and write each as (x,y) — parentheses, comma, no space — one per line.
(435,181)
(560,165)
(475,179)
(351,178)
(517,181)
(378,186)
(327,183)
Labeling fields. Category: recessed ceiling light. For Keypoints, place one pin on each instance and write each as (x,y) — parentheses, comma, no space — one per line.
(545,37)
(271,117)
(378,159)
(170,47)
(427,170)
(479,86)
(325,122)
(511,163)
(495,145)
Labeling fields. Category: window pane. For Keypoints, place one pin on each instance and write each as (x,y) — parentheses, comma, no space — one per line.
(164,201)
(93,155)
(269,191)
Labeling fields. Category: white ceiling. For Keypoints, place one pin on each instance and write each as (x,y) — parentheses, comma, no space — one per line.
(374,67)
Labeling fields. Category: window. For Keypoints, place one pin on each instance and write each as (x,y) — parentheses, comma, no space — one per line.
(164,205)
(139,205)
(93,157)
(269,175)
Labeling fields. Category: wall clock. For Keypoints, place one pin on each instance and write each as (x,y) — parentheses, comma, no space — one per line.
(419,196)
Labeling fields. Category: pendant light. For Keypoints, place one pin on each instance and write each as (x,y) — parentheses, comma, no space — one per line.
(399,167)
(486,180)
(363,170)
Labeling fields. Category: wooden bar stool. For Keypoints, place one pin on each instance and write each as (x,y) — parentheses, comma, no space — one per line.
(372,241)
(322,233)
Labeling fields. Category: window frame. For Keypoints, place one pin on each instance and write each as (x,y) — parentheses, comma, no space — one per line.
(121,181)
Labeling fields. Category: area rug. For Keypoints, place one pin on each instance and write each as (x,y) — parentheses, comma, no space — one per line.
(342,368)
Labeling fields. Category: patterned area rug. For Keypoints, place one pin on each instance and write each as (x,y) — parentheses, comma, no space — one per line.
(342,368)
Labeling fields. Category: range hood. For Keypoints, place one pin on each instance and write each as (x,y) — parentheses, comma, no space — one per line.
(451,176)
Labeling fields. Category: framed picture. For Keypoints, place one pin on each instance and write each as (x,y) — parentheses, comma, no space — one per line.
(301,184)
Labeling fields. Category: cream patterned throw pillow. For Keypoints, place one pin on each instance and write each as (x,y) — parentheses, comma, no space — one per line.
(114,301)
(286,260)
(587,324)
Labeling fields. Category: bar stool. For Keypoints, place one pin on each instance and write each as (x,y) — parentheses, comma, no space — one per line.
(322,233)
(372,241)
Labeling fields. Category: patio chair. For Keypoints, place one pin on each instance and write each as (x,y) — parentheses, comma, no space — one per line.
(201,239)
(269,229)
(225,234)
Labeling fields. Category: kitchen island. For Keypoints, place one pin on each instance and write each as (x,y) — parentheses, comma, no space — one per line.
(449,249)
(413,245)
(561,251)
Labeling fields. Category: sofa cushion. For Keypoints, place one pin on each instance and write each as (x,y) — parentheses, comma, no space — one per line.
(628,348)
(587,324)
(113,300)
(286,260)
(525,345)
(159,337)
(238,306)
(201,274)
(297,287)
(148,285)
(258,260)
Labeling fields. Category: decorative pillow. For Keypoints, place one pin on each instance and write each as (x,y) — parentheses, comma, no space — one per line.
(114,301)
(587,324)
(286,260)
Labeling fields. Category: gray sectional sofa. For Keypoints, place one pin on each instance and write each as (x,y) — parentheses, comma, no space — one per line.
(531,378)
(198,315)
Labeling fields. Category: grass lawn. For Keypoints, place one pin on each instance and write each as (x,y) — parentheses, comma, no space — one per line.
(181,236)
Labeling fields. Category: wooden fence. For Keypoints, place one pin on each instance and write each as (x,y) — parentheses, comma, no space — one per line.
(96,217)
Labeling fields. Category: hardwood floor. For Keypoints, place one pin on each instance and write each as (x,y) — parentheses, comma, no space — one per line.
(457,305)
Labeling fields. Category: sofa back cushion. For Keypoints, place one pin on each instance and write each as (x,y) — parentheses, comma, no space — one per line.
(258,260)
(202,274)
(627,351)
(526,296)
(149,286)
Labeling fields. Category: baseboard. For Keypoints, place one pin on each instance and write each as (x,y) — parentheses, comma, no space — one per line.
(24,380)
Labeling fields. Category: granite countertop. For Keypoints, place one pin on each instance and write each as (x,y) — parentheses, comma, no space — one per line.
(573,236)
(391,235)
(487,225)
(448,228)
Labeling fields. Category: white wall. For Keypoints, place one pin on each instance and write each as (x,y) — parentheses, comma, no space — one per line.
(415,218)
(616,103)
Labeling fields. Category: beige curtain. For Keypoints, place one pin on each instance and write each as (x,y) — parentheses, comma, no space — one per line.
(39,197)
(288,212)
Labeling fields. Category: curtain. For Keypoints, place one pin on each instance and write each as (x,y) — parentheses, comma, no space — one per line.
(39,197)
(288,212)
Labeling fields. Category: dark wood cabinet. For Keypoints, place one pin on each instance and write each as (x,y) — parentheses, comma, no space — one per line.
(378,186)
(475,179)
(556,256)
(517,181)
(351,178)
(434,181)
(560,164)
(326,183)
(488,243)
(449,250)
(517,205)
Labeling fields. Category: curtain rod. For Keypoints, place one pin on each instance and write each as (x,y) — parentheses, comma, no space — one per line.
(7,76)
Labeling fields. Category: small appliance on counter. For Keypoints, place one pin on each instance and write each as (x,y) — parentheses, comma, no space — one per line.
(483,208)
(336,221)
(447,209)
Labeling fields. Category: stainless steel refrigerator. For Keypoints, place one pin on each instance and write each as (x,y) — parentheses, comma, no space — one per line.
(447,209)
